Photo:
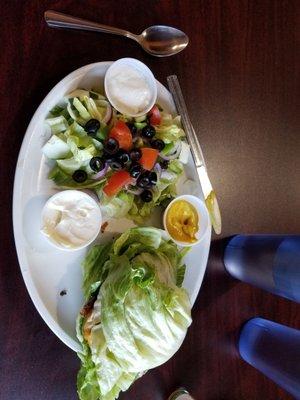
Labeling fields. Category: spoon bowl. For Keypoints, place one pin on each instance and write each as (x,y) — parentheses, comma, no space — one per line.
(162,41)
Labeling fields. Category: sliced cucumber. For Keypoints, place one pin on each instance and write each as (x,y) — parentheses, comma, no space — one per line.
(77,129)
(167,149)
(69,165)
(81,109)
(102,132)
(80,93)
(142,118)
(72,111)
(56,148)
(92,108)
(140,125)
(57,124)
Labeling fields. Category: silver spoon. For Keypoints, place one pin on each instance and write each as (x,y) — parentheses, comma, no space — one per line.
(158,40)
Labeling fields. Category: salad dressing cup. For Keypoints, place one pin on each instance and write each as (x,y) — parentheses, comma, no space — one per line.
(203,219)
(130,87)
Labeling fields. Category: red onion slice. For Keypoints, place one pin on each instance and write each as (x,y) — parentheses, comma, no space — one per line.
(136,191)
(101,173)
(157,169)
(108,114)
(132,188)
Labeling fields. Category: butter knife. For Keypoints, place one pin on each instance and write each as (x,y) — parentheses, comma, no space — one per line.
(208,192)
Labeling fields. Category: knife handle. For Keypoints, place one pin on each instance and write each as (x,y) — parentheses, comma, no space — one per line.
(214,212)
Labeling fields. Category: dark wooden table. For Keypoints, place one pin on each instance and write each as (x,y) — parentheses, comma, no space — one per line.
(239,75)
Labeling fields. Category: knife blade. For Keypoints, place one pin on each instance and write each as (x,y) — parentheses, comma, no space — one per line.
(207,189)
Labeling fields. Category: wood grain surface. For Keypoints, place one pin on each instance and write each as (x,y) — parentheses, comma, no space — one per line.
(240,78)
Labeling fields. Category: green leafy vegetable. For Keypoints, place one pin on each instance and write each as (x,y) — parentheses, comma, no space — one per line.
(140,316)
(72,148)
(57,124)
(116,207)
(65,181)
(57,111)
(170,129)
(93,267)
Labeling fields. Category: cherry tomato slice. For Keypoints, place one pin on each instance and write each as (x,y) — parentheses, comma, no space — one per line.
(154,116)
(122,134)
(116,182)
(149,157)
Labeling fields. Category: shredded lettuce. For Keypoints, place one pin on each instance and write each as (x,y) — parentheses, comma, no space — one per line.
(57,110)
(140,313)
(65,181)
(118,206)
(170,129)
(93,267)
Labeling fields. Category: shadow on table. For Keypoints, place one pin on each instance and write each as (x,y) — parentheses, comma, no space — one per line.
(216,280)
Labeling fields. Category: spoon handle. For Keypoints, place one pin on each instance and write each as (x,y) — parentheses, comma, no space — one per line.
(60,20)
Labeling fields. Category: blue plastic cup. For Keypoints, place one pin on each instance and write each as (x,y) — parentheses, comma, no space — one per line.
(274,350)
(270,262)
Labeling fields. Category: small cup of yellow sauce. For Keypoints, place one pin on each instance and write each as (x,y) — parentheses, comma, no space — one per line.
(186,220)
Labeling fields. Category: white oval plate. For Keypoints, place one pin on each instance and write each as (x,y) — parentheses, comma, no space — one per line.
(52,276)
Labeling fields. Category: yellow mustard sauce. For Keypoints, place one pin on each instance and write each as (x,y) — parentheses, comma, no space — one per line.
(182,221)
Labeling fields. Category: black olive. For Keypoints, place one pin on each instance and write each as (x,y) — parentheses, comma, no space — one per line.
(164,164)
(92,126)
(79,176)
(157,144)
(133,128)
(135,170)
(143,181)
(148,131)
(111,146)
(135,154)
(108,158)
(96,164)
(116,165)
(153,178)
(123,157)
(146,196)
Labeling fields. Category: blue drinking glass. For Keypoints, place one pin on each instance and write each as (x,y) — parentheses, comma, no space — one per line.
(270,262)
(273,349)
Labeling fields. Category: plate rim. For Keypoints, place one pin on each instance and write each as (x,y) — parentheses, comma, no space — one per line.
(17,214)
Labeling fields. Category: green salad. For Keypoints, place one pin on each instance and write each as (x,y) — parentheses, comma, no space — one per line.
(136,313)
(132,164)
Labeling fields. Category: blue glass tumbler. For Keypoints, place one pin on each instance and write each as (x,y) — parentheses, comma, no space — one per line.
(270,262)
(273,349)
